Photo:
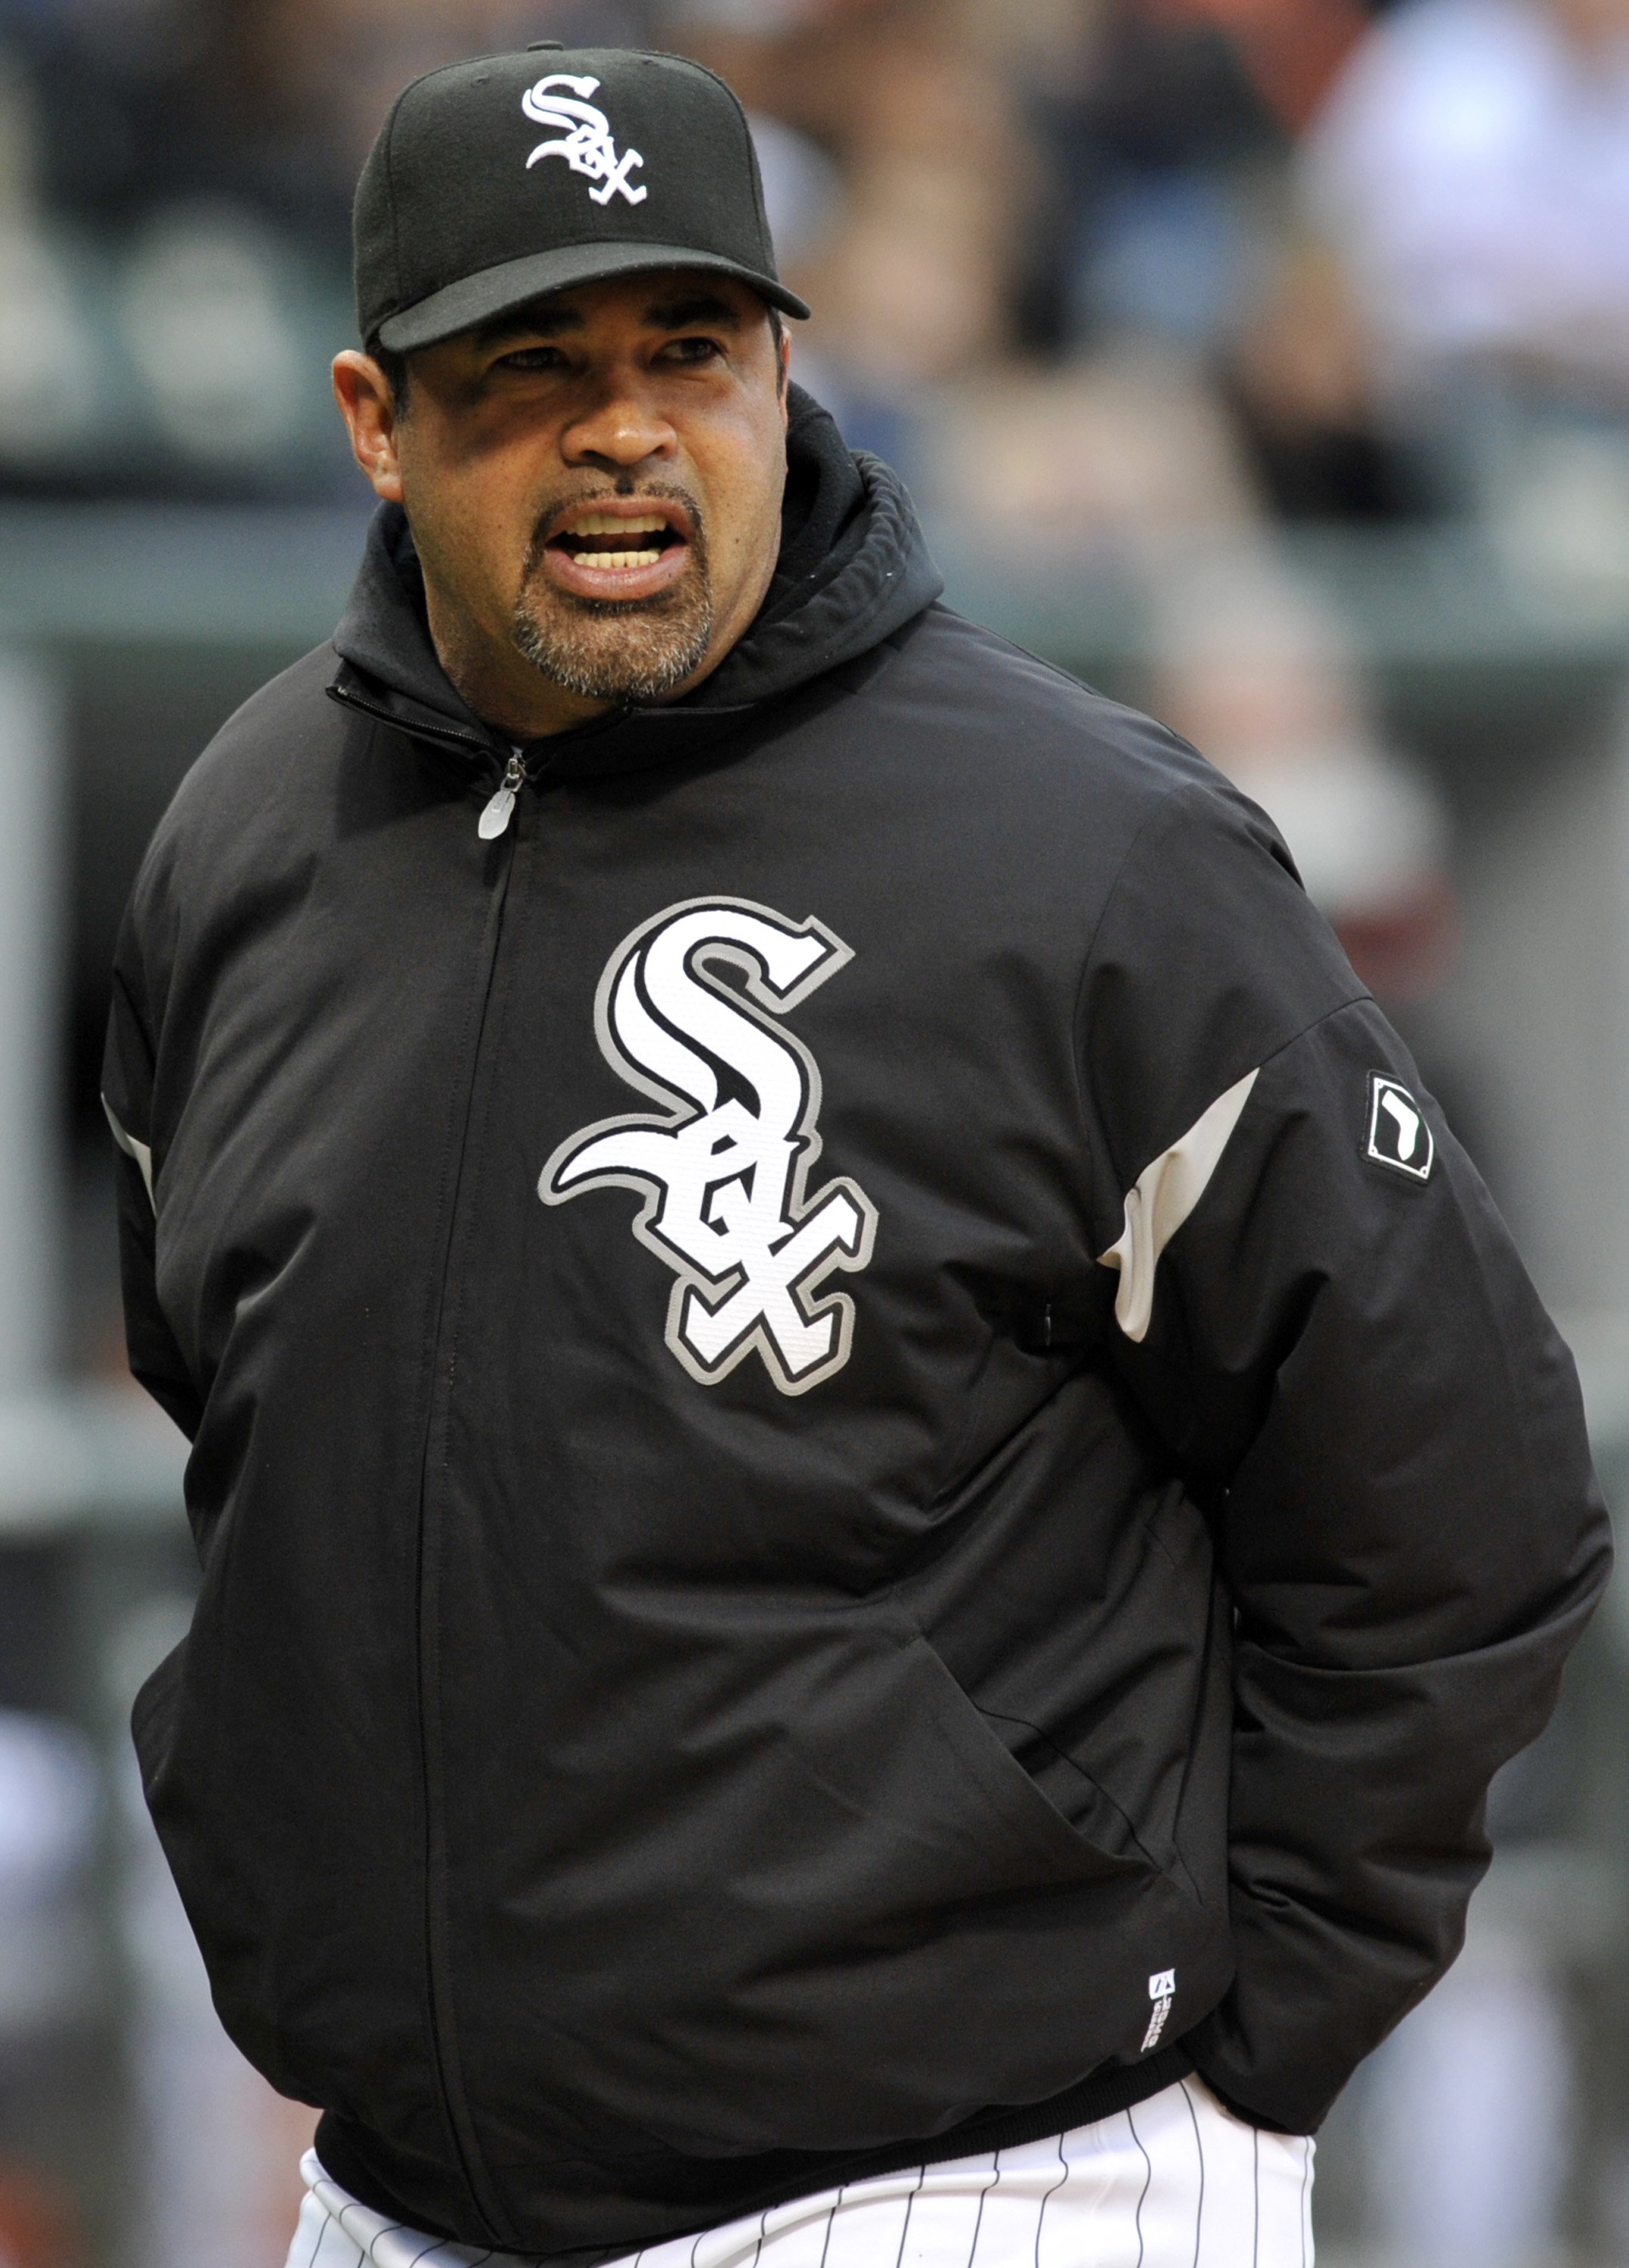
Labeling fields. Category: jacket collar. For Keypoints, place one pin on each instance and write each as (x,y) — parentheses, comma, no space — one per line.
(853,568)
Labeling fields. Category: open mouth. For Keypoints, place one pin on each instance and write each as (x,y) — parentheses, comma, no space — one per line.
(606,549)
(601,538)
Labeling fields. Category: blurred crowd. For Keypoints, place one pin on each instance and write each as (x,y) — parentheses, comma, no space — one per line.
(1134,285)
(1100,265)
(1145,289)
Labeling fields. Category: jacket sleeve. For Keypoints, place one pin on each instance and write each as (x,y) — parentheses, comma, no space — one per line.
(1323,1314)
(127,1098)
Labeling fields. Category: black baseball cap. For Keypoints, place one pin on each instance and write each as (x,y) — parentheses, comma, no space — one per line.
(497,180)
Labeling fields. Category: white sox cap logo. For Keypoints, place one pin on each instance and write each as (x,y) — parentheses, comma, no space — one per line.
(727,1204)
(586,142)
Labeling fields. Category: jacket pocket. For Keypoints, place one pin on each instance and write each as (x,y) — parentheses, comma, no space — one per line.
(1096,1842)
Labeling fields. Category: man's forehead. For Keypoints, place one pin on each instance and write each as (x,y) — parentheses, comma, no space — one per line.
(661,300)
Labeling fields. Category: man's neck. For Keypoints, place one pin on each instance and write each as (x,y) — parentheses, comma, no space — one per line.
(502,688)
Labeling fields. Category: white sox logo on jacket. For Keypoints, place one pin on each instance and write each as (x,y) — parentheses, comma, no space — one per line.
(727,1204)
(586,141)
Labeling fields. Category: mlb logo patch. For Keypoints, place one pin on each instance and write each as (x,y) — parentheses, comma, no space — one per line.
(1398,1136)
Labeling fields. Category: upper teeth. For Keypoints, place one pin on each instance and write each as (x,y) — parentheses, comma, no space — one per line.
(604,523)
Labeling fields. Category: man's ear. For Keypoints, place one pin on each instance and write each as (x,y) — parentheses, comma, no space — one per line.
(784,348)
(369,409)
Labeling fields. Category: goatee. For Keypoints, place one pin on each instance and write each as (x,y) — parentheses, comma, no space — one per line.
(622,651)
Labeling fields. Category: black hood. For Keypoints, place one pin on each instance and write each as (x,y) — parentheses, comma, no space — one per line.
(854,567)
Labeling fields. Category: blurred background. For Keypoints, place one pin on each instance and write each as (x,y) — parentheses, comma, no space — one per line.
(1266,362)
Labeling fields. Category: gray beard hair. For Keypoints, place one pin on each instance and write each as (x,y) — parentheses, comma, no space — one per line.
(625,651)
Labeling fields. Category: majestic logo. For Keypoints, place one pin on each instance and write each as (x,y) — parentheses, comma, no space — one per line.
(723,1169)
(1398,1136)
(1162,1992)
(585,141)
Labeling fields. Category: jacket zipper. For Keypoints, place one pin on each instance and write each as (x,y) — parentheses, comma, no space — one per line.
(494,823)
(449,734)
(499,811)
(448,2058)
(496,818)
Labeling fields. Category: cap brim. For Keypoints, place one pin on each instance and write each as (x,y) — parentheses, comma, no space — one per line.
(498,291)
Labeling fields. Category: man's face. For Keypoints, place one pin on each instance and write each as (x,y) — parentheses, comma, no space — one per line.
(595,487)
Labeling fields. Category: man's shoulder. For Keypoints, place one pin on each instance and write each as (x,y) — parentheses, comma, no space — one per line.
(287,713)
(1042,735)
(273,758)
(279,735)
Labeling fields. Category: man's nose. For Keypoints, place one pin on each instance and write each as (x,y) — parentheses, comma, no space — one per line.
(621,428)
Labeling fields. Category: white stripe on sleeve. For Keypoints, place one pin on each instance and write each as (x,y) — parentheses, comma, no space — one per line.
(1165,1194)
(132,1148)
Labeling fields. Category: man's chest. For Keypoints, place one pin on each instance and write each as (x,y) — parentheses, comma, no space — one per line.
(758,1132)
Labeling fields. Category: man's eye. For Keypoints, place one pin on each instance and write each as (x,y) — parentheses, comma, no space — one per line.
(691,350)
(533,358)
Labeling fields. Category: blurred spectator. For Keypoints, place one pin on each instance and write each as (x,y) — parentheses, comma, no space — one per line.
(112,80)
(1089,184)
(1168,124)
(1474,2108)
(175,187)
(910,269)
(162,327)
(1262,678)
(1154,128)
(802,189)
(1473,164)
(1291,49)
(50,1805)
(1471,2117)
(309,82)
(1297,370)
(938,230)
(1122,459)
(272,103)
(47,382)
(206,325)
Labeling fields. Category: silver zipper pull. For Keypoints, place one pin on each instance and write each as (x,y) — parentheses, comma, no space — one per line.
(496,818)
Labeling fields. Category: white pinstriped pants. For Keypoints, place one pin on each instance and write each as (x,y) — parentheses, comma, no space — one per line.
(1174,2183)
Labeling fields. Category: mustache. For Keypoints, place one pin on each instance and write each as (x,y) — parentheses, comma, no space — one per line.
(575,499)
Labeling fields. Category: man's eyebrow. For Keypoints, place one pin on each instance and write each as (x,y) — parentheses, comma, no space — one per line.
(693,307)
(541,321)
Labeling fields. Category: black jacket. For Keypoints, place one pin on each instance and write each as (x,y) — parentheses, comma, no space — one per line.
(869,1475)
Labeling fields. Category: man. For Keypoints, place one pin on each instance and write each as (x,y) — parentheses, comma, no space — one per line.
(874,1491)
